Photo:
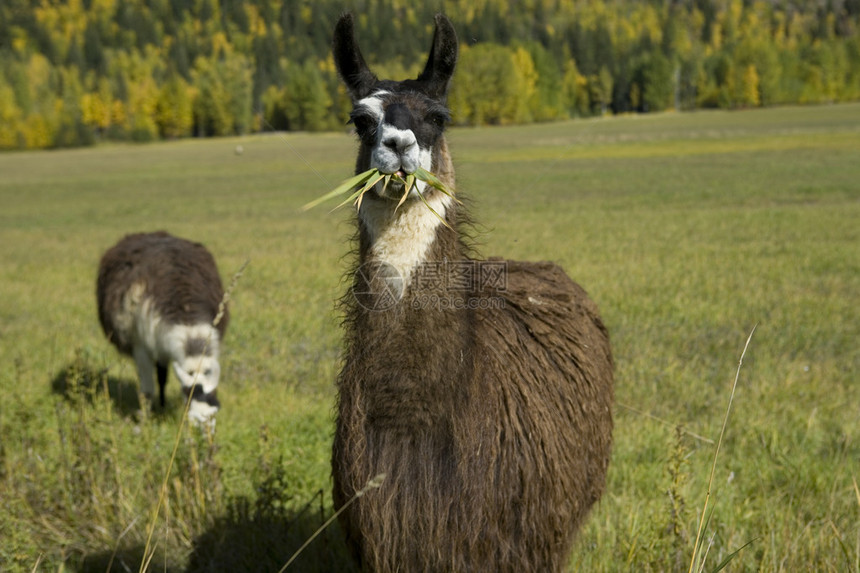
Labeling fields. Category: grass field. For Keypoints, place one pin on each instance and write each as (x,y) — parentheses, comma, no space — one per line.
(687,229)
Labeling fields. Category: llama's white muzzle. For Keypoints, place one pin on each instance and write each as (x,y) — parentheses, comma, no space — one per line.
(397,150)
(199,379)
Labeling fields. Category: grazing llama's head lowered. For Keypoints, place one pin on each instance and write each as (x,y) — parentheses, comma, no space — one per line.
(486,404)
(158,297)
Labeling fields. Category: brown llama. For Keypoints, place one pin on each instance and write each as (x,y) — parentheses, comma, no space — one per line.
(482,389)
(158,296)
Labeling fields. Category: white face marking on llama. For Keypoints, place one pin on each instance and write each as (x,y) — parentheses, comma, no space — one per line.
(202,371)
(193,351)
(374,105)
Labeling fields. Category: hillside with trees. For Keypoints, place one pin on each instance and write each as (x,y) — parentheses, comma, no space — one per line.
(73,72)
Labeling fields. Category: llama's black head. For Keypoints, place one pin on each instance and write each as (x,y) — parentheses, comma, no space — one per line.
(400,124)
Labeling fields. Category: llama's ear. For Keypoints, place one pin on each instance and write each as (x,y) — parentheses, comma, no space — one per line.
(350,64)
(442,59)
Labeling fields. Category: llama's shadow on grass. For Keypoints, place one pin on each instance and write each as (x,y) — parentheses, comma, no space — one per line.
(122,561)
(78,380)
(248,539)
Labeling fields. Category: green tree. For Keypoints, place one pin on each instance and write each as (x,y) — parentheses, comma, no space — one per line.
(748,93)
(600,91)
(306,98)
(93,50)
(10,117)
(576,91)
(657,82)
(493,85)
(547,101)
(767,65)
(274,109)
(210,108)
(71,130)
(174,110)
(236,74)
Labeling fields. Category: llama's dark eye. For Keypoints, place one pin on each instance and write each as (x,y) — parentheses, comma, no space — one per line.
(437,119)
(207,372)
(364,124)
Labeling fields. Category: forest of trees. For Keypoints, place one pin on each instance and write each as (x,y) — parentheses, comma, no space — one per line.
(73,72)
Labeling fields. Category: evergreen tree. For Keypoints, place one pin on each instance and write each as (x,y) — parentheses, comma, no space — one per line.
(656,82)
(546,103)
(93,52)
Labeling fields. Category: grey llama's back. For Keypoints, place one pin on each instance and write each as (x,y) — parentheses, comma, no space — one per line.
(180,277)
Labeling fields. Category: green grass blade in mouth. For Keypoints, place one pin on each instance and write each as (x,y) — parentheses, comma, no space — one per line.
(433,181)
(354,197)
(364,182)
(408,183)
(432,210)
(386,182)
(404,196)
(374,179)
(344,187)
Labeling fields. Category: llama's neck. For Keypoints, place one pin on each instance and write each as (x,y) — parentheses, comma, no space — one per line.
(417,348)
(407,237)
(173,342)
(183,340)
(407,339)
(404,239)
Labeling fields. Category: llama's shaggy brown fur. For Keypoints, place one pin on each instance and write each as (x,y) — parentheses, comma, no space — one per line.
(492,423)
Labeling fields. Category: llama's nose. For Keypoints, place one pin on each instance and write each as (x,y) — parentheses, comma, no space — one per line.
(399,141)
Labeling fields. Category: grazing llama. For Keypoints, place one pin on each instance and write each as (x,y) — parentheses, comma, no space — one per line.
(481,389)
(158,296)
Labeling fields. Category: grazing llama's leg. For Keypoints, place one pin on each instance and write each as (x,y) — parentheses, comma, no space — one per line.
(161,371)
(144,371)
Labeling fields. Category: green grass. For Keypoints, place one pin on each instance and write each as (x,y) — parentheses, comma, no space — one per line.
(687,229)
